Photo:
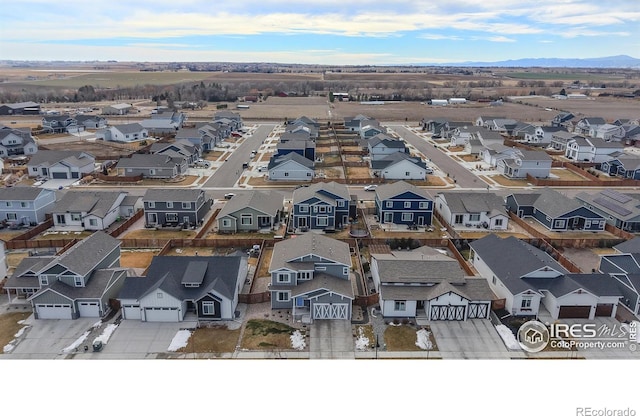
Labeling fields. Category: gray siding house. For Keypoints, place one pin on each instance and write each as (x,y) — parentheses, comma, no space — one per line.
(61,164)
(25,205)
(251,212)
(156,166)
(290,167)
(175,207)
(76,284)
(16,142)
(81,210)
(310,275)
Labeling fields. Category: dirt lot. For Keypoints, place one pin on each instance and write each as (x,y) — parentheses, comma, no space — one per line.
(98,149)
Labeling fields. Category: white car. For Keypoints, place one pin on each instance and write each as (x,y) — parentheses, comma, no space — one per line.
(229,195)
(429,170)
(370,187)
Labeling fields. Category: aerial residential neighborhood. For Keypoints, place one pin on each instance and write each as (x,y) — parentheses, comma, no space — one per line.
(357,235)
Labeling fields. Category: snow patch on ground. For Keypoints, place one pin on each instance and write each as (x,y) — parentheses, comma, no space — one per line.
(423,341)
(20,332)
(97,324)
(8,348)
(297,341)
(106,333)
(507,337)
(76,343)
(362,342)
(180,340)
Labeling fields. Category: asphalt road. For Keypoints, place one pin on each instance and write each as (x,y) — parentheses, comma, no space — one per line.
(228,174)
(462,176)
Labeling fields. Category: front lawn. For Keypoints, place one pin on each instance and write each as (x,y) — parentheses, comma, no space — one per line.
(215,340)
(405,338)
(9,326)
(263,334)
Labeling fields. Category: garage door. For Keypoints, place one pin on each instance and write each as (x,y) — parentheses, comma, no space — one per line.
(330,311)
(59,175)
(478,311)
(162,315)
(574,312)
(89,309)
(131,312)
(604,309)
(447,312)
(54,311)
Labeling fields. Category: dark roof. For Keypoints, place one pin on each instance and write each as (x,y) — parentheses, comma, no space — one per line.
(629,246)
(395,158)
(168,273)
(95,286)
(278,160)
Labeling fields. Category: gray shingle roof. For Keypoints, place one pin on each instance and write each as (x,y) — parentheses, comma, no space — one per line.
(389,190)
(94,203)
(324,281)
(310,243)
(555,204)
(473,202)
(307,192)
(278,160)
(95,287)
(395,158)
(129,128)
(267,202)
(173,195)
(629,246)
(20,193)
(51,157)
(85,255)
(148,161)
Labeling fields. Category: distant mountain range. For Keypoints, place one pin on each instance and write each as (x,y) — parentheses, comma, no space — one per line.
(618,61)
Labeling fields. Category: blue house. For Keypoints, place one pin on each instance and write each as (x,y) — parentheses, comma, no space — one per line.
(403,203)
(626,166)
(322,206)
(555,211)
(299,142)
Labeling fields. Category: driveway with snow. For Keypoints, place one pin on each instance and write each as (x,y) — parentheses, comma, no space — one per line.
(475,339)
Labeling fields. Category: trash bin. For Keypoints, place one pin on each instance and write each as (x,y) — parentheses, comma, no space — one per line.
(97,346)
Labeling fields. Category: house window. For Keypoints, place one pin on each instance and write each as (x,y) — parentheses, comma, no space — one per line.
(400,305)
(407,204)
(226,222)
(322,221)
(559,224)
(493,280)
(423,205)
(305,275)
(286,174)
(458,219)
(12,216)
(283,296)
(151,204)
(320,268)
(389,204)
(345,271)
(208,308)
(407,174)
(44,280)
(246,219)
(76,217)
(93,222)
(474,217)
(322,209)
(303,208)
(498,222)
(169,204)
(159,295)
(186,205)
(24,204)
(171,217)
(407,216)
(308,173)
(283,278)
(60,219)
(7,203)
(526,303)
(78,281)
(341,203)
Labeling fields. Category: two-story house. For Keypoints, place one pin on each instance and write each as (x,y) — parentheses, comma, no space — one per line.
(175,207)
(322,206)
(403,203)
(81,210)
(78,283)
(60,124)
(382,145)
(525,162)
(584,125)
(25,205)
(589,149)
(16,142)
(310,275)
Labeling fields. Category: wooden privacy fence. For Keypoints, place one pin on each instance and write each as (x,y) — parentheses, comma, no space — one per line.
(125,225)
(48,223)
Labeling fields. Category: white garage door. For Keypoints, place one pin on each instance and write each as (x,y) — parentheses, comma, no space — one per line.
(131,312)
(162,314)
(330,311)
(89,309)
(54,311)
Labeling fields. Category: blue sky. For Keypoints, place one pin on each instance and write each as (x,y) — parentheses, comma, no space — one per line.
(352,32)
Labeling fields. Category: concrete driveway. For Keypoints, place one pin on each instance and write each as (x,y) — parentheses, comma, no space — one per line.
(331,339)
(474,339)
(46,338)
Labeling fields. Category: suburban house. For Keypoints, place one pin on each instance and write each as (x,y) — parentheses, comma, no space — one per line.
(562,120)
(310,275)
(353,123)
(175,207)
(608,132)
(16,142)
(79,283)
(125,133)
(80,210)
(93,122)
(27,108)
(542,135)
(626,166)
(61,164)
(323,205)
(175,289)
(536,280)
(525,162)
(159,126)
(589,149)
(472,210)
(441,127)
(493,153)
(560,139)
(234,120)
(555,211)
(584,126)
(290,167)
(25,204)
(399,165)
(382,145)
(424,283)
(625,269)
(180,148)
(618,209)
(370,128)
(298,142)
(60,124)
(251,211)
(152,166)
(116,109)
(403,203)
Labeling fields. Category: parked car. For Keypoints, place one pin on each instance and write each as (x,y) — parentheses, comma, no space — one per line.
(370,187)
(229,195)
(428,170)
